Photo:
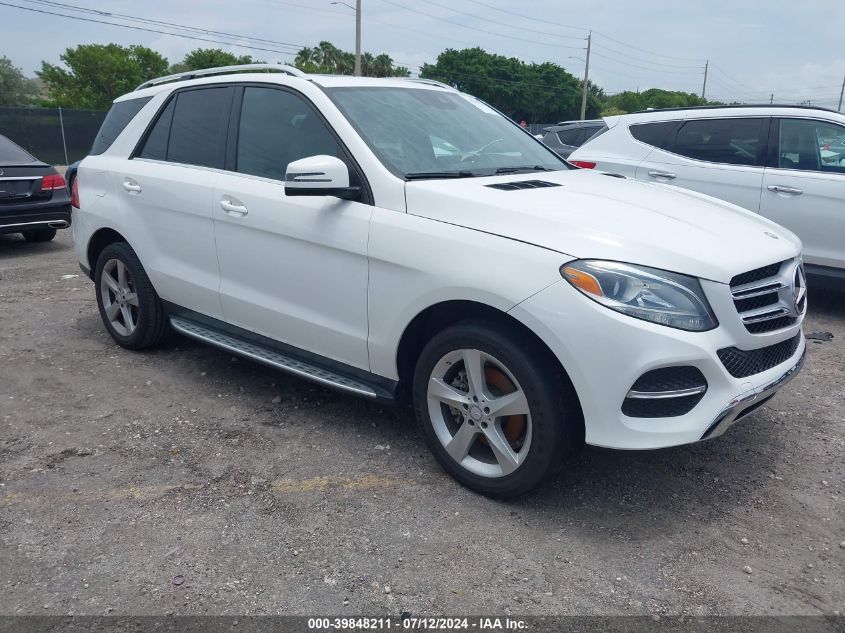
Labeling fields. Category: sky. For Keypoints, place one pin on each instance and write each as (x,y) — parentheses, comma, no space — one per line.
(755,48)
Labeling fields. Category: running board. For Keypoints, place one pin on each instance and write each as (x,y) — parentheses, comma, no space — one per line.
(271,357)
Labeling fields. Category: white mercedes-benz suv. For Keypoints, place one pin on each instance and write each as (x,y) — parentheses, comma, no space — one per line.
(400,240)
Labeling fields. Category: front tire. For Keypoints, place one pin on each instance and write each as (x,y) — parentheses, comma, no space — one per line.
(496,413)
(129,306)
(39,235)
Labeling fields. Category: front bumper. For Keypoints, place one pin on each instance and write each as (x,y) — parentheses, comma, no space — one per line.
(605,352)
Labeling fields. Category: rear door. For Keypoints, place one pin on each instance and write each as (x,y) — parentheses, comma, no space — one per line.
(804,186)
(720,157)
(166,190)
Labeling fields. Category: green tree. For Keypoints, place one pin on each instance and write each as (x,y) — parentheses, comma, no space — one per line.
(328,59)
(629,101)
(537,93)
(15,89)
(210,58)
(96,74)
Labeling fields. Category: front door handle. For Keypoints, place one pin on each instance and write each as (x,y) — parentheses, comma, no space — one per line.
(662,174)
(131,186)
(233,207)
(788,190)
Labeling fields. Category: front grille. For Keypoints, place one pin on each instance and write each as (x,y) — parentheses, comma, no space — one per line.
(763,298)
(651,395)
(771,326)
(742,363)
(756,275)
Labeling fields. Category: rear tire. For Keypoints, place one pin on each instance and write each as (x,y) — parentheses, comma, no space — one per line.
(538,412)
(39,235)
(129,306)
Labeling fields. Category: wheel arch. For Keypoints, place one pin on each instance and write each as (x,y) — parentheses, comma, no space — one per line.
(97,243)
(446,313)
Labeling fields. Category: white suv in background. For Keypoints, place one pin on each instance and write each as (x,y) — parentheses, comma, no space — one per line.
(399,240)
(786,163)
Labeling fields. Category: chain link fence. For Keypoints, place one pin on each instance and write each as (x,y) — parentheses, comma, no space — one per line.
(54,135)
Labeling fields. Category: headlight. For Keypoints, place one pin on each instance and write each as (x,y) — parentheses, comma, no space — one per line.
(644,293)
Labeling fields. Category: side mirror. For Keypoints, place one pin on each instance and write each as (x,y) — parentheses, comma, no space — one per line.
(319,176)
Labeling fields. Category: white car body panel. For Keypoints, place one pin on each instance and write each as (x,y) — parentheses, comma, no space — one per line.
(818,213)
(345,279)
(596,216)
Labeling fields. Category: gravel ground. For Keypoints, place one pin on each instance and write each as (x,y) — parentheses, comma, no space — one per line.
(185,481)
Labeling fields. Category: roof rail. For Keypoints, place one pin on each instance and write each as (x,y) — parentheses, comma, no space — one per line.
(430,82)
(737,106)
(223,70)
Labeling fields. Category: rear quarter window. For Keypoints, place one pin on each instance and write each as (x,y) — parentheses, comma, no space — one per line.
(658,134)
(119,116)
(11,153)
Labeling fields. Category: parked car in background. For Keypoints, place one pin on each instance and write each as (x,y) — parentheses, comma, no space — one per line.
(567,136)
(399,240)
(783,162)
(34,200)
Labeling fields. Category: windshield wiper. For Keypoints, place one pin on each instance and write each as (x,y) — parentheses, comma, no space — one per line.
(422,175)
(513,170)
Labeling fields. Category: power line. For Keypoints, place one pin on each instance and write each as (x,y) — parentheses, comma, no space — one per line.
(475,28)
(654,70)
(147,30)
(505,24)
(526,17)
(195,29)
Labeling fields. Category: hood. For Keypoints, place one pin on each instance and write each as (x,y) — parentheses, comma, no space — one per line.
(587,214)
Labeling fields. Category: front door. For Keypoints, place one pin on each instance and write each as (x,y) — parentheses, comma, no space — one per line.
(292,269)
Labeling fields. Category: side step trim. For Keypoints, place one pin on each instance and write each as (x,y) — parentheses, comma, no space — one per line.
(271,357)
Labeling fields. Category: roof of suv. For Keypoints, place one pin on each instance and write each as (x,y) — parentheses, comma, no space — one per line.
(705,112)
(271,73)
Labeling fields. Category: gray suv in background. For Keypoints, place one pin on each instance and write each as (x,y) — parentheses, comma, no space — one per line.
(567,136)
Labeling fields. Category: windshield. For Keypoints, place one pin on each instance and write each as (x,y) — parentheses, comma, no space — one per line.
(421,133)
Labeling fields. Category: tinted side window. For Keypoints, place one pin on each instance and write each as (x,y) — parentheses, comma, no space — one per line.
(155,146)
(198,130)
(569,137)
(732,141)
(811,146)
(11,153)
(655,134)
(276,128)
(116,120)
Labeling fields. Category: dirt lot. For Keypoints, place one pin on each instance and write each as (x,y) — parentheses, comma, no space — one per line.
(122,474)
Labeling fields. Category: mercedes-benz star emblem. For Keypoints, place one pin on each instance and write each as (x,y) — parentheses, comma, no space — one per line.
(799,290)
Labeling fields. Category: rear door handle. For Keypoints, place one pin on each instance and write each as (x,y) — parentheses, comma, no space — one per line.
(781,189)
(131,186)
(233,207)
(662,174)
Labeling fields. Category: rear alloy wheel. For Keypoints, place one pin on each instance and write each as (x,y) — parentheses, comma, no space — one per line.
(492,408)
(39,235)
(130,308)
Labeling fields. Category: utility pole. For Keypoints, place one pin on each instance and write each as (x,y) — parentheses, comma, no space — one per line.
(357,38)
(704,87)
(841,94)
(586,78)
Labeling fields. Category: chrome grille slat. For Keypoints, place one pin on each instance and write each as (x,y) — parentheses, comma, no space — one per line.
(763,314)
(755,290)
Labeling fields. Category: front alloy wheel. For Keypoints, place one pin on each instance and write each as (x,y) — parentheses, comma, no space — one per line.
(479,413)
(495,408)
